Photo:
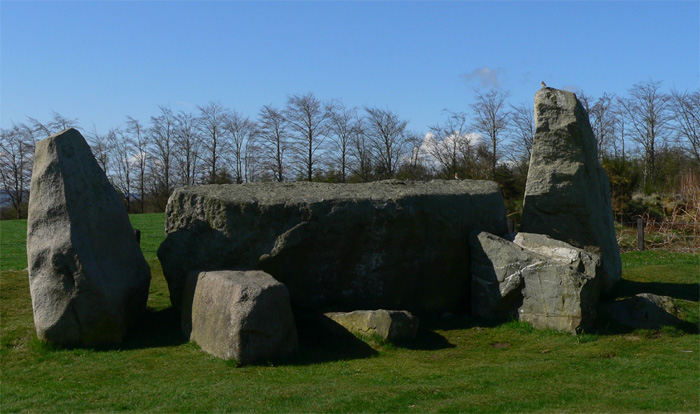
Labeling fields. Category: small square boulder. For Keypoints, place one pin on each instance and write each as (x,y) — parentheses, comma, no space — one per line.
(241,315)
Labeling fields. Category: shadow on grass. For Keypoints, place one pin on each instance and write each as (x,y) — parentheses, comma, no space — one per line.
(427,340)
(157,329)
(606,325)
(685,291)
(461,322)
(322,340)
(318,343)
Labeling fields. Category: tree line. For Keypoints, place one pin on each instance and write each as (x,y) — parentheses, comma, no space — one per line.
(645,139)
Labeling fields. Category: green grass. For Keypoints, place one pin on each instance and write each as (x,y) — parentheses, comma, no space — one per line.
(13,239)
(13,244)
(455,365)
(152,232)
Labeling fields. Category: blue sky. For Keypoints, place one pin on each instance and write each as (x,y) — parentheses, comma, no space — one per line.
(101,61)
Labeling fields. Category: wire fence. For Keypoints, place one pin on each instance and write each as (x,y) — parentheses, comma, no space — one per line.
(668,235)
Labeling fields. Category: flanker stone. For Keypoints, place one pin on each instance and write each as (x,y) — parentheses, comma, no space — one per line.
(241,315)
(550,288)
(390,325)
(87,275)
(383,245)
(567,194)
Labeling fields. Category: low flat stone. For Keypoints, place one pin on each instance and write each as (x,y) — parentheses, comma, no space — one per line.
(241,315)
(644,311)
(390,325)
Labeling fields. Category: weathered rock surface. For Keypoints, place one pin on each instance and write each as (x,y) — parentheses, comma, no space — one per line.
(390,325)
(645,311)
(567,195)
(551,290)
(558,296)
(497,274)
(581,260)
(87,275)
(391,244)
(242,315)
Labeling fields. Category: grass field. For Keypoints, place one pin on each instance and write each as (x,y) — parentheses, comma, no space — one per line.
(455,365)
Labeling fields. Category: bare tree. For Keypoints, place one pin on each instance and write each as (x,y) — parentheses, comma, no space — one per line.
(101,147)
(57,123)
(123,155)
(602,117)
(273,141)
(413,167)
(16,163)
(646,110)
(685,107)
(211,123)
(140,140)
(188,145)
(449,145)
(491,119)
(619,129)
(387,136)
(586,100)
(362,156)
(253,167)
(522,128)
(343,124)
(308,122)
(162,133)
(241,130)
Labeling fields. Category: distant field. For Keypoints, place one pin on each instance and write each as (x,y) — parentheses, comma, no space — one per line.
(456,365)
(13,239)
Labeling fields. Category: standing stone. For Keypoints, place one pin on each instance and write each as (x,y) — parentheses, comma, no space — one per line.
(337,247)
(242,315)
(88,278)
(567,195)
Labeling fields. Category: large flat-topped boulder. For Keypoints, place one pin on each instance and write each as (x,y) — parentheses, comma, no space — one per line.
(567,195)
(390,244)
(87,275)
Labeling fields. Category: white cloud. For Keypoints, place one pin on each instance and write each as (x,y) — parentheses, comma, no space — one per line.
(429,146)
(486,76)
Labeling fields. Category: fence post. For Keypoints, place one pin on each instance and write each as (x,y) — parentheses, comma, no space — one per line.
(640,234)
